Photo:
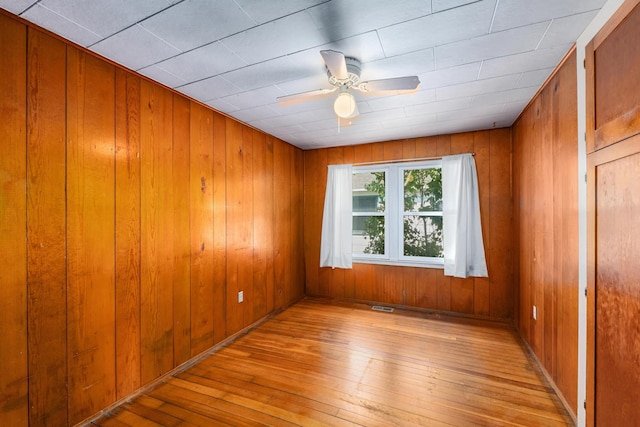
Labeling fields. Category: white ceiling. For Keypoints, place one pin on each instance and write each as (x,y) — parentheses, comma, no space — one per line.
(479,62)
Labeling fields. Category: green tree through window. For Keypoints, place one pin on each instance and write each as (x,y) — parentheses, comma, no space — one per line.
(422,195)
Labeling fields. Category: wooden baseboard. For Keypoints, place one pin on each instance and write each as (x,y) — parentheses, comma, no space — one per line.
(549,379)
(180,368)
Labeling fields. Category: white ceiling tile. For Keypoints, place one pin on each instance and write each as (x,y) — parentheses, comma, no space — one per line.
(220,105)
(516,13)
(263,11)
(158,74)
(268,73)
(566,30)
(205,61)
(105,17)
(532,60)
(413,63)
(534,78)
(490,46)
(135,48)
(254,98)
(434,107)
(453,25)
(476,111)
(513,95)
(477,88)
(60,25)
(316,81)
(287,35)
(440,5)
(364,47)
(208,89)
(339,19)
(415,121)
(16,6)
(449,76)
(254,114)
(193,23)
(397,101)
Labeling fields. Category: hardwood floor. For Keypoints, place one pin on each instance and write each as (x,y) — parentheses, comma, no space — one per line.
(327,363)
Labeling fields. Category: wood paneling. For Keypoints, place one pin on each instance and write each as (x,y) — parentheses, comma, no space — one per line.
(237,234)
(372,369)
(90,234)
(617,291)
(201,190)
(127,233)
(219,228)
(545,178)
(182,213)
(157,257)
(46,211)
(616,92)
(114,264)
(417,287)
(13,222)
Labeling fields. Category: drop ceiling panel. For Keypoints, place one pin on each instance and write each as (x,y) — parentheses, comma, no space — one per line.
(193,23)
(413,63)
(264,11)
(105,17)
(534,78)
(208,89)
(17,6)
(208,60)
(60,25)
(505,96)
(136,47)
(516,13)
(477,88)
(440,5)
(532,60)
(490,46)
(275,38)
(158,74)
(566,30)
(441,28)
(254,98)
(268,73)
(345,18)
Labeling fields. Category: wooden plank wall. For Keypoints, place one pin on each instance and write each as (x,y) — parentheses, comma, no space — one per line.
(545,176)
(130,217)
(421,287)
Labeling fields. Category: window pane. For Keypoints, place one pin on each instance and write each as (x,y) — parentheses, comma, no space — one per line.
(423,190)
(423,236)
(368,192)
(368,235)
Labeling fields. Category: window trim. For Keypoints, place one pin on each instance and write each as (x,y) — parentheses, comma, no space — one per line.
(394,217)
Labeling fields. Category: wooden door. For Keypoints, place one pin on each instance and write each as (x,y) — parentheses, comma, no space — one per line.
(614,314)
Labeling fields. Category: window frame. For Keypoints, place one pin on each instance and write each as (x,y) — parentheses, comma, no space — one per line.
(394,216)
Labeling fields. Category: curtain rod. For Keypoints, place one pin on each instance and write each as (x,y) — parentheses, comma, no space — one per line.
(417,159)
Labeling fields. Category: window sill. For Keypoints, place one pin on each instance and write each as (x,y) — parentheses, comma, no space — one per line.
(424,264)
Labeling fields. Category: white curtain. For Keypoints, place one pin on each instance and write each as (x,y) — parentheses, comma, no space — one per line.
(461,227)
(335,246)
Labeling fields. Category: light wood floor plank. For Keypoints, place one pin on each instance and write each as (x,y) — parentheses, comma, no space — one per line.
(342,364)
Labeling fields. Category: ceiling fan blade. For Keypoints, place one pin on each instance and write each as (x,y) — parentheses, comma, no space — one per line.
(304,96)
(335,63)
(396,83)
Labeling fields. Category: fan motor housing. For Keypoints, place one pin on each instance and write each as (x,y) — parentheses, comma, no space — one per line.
(353,68)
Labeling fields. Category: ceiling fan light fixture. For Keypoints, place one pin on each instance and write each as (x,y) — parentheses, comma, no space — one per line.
(345,105)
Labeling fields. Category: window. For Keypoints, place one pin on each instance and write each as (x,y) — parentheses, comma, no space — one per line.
(397,214)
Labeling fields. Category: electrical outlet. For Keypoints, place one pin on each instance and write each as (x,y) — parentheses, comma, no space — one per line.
(240,296)
(535,313)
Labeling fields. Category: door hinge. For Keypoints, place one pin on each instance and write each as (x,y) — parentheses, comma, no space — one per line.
(585,292)
(585,405)
(584,63)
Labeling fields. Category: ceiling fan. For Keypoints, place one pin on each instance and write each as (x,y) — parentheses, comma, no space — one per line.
(344,74)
